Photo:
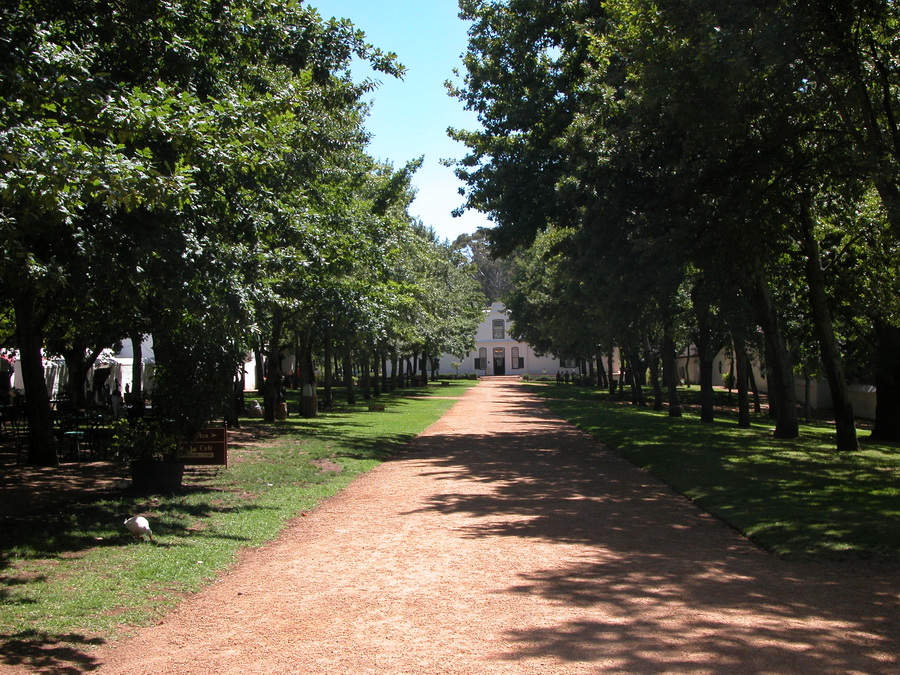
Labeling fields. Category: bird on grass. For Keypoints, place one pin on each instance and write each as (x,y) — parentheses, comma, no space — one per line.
(139,526)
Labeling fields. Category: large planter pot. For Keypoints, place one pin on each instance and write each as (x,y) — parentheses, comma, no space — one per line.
(156,476)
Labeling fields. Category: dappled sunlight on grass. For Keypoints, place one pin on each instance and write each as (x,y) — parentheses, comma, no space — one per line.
(791,496)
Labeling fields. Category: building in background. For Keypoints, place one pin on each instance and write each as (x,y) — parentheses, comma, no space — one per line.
(497,353)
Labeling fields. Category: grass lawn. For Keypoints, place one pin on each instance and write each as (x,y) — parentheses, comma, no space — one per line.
(792,497)
(73,576)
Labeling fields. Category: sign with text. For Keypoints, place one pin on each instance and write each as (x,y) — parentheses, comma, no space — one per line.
(211,447)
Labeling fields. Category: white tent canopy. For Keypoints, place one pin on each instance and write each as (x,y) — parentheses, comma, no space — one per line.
(112,369)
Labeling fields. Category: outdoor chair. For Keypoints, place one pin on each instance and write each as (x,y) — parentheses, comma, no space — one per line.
(71,435)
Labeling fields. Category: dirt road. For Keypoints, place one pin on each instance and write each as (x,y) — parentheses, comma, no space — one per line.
(505,541)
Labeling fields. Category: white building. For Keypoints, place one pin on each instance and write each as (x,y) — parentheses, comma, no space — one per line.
(497,353)
(863,397)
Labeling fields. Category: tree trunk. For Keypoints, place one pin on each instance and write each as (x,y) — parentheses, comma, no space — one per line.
(757,405)
(236,406)
(272,387)
(890,197)
(376,374)
(609,367)
(423,368)
(137,367)
(742,378)
(601,372)
(364,375)
(707,393)
(29,340)
(328,348)
(637,391)
(732,377)
(670,370)
(807,389)
(658,398)
(348,373)
(306,371)
(79,366)
(703,342)
(823,326)
(642,368)
(653,368)
(887,382)
(259,365)
(778,361)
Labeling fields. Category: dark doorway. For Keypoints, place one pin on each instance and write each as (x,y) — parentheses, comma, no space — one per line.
(499,361)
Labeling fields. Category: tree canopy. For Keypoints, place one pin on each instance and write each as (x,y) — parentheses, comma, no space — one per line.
(197,171)
(717,151)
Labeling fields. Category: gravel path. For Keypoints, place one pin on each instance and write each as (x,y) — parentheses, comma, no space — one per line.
(505,541)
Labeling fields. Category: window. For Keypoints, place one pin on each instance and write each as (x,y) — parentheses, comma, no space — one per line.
(517,362)
(499,329)
(481,359)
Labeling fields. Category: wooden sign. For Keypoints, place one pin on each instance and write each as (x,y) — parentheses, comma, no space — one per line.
(211,447)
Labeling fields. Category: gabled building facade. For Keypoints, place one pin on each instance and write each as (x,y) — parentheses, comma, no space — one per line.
(497,353)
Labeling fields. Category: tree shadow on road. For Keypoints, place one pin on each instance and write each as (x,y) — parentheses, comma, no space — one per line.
(664,587)
(45,653)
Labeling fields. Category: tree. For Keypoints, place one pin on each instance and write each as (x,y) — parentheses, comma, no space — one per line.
(163,116)
(493,273)
(660,132)
(523,71)
(447,302)
(848,53)
(60,153)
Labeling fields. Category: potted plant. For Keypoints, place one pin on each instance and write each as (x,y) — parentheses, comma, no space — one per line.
(151,453)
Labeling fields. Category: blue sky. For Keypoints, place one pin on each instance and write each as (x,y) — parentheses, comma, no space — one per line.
(409,117)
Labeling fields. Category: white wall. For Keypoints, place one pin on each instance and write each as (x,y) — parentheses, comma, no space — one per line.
(484,339)
(862,397)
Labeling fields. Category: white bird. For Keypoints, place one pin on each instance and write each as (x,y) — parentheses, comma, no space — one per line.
(139,526)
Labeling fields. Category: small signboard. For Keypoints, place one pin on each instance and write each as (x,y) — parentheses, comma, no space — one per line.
(211,447)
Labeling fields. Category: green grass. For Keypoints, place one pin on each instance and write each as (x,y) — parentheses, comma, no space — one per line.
(793,497)
(73,576)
